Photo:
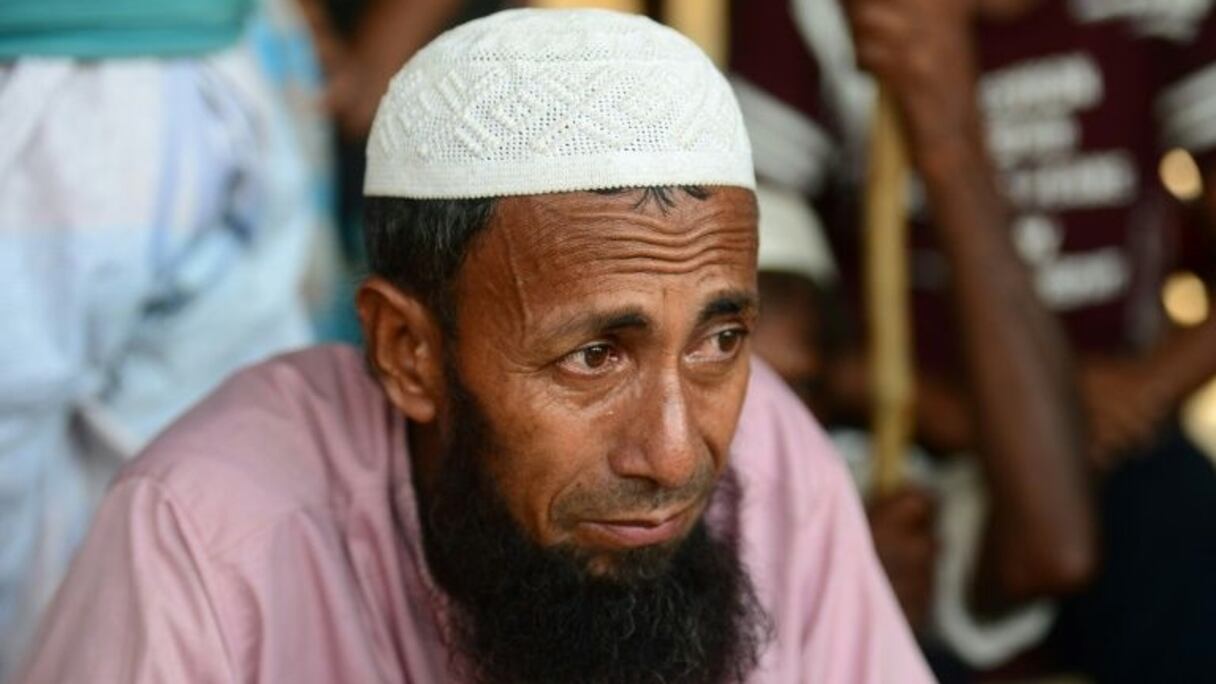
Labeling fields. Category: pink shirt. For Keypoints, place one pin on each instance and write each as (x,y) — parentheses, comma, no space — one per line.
(271,536)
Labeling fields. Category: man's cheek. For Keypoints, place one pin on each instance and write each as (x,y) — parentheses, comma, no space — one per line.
(532,475)
(718,414)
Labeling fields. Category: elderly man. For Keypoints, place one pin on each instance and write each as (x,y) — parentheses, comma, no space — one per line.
(555,463)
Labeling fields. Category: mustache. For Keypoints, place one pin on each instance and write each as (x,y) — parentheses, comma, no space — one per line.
(636,496)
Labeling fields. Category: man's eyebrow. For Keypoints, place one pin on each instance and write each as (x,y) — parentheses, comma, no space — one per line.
(603,322)
(732,303)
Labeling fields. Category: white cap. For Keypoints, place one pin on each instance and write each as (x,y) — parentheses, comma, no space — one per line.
(791,237)
(533,101)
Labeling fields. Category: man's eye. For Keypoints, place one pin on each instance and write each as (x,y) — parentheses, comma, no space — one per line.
(720,346)
(597,356)
(729,340)
(592,359)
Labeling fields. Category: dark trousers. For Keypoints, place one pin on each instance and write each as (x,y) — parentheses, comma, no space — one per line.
(1150,616)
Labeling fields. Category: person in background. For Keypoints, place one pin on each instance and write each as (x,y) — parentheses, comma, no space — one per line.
(927,533)
(799,327)
(1042,121)
(361,44)
(359,60)
(158,211)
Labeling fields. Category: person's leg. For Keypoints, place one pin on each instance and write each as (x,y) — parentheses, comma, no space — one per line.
(80,149)
(1151,614)
(152,240)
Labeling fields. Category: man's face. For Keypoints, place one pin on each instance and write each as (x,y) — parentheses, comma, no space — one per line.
(606,341)
(788,334)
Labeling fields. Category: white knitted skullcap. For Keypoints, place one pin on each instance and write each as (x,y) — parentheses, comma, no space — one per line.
(791,237)
(533,101)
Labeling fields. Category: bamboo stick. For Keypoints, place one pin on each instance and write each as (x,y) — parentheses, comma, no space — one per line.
(634,6)
(886,234)
(705,21)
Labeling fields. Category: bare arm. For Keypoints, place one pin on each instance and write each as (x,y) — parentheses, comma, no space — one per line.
(1041,538)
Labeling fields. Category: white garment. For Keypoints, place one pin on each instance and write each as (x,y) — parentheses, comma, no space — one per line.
(791,236)
(151,241)
(962,509)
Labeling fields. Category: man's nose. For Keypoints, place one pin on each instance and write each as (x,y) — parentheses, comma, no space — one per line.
(663,446)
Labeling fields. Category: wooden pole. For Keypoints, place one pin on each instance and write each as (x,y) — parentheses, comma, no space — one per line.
(705,21)
(885,233)
(635,6)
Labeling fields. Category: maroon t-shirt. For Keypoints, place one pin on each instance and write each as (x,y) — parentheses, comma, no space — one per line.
(1081,97)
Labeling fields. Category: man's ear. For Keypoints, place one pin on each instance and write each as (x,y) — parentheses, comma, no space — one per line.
(404,347)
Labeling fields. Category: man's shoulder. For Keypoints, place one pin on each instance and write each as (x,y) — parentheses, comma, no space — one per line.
(802,533)
(301,431)
(780,454)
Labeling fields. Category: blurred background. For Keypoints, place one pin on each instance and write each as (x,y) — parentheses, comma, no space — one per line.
(180,194)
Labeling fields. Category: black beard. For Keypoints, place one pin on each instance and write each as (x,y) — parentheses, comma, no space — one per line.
(528,614)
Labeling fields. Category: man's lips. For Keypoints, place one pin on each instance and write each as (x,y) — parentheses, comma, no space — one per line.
(631,533)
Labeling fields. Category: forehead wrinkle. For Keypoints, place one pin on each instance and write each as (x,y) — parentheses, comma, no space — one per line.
(594,262)
(710,267)
(546,250)
(625,244)
(557,225)
(517,281)
(660,266)
(593,258)
(494,285)
(718,240)
(559,319)
(707,231)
